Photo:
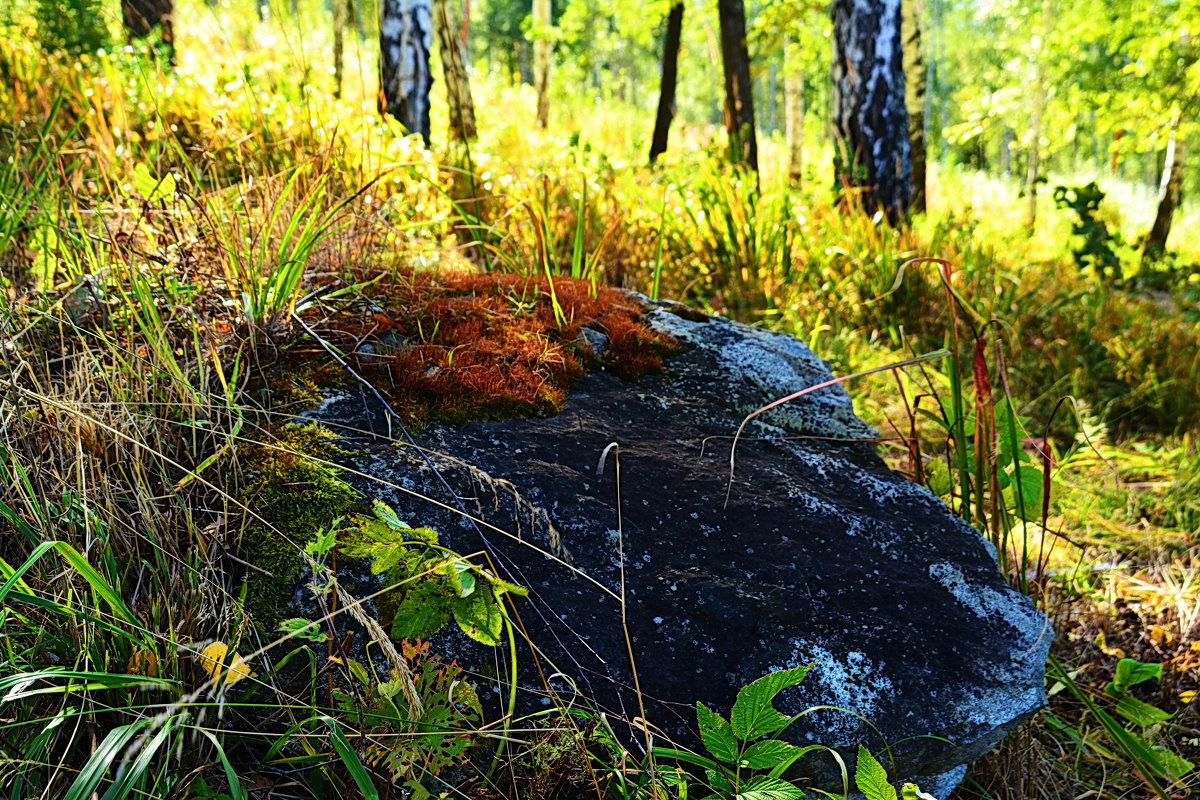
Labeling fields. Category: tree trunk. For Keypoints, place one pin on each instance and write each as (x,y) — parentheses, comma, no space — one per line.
(543,50)
(1033,173)
(405,38)
(670,74)
(458,86)
(914,97)
(793,112)
(141,17)
(739,97)
(871,147)
(340,13)
(1170,194)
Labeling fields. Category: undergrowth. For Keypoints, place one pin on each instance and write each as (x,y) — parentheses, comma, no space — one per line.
(187,257)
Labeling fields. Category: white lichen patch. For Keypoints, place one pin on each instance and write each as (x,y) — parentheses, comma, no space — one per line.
(989,604)
(853,683)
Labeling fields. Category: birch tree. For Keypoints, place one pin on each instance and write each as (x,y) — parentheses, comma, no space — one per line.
(870,122)
(405,38)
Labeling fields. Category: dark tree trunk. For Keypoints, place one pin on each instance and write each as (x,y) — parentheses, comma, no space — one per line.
(914,98)
(1170,194)
(405,37)
(458,87)
(670,73)
(739,95)
(793,112)
(870,122)
(142,17)
(341,10)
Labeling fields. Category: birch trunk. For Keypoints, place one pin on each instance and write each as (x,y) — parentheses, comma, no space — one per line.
(405,38)
(1170,194)
(870,121)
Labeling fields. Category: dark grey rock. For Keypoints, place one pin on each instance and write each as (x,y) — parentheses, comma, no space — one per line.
(822,557)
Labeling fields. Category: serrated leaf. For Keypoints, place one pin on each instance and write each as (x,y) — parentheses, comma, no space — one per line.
(423,611)
(768,754)
(718,782)
(480,617)
(385,514)
(766,788)
(753,714)
(716,734)
(871,778)
(1139,713)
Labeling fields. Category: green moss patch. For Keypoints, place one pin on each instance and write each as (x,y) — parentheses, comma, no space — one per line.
(296,496)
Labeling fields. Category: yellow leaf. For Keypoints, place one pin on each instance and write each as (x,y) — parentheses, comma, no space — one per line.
(213,660)
(1188,696)
(143,662)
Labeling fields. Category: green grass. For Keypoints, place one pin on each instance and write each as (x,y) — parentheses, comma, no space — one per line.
(205,203)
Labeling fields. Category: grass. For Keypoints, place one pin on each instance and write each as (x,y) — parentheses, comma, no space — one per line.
(160,234)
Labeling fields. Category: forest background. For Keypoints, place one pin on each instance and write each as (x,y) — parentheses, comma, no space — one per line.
(179,177)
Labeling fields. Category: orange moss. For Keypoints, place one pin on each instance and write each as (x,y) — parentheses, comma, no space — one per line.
(462,346)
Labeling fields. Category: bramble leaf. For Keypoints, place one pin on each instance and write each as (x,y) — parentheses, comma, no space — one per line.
(871,777)
(753,714)
(766,788)
(716,734)
(768,754)
(479,616)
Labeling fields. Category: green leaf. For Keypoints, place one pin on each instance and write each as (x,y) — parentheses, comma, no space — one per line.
(753,714)
(768,754)
(1173,764)
(385,514)
(353,765)
(716,734)
(765,788)
(480,617)
(423,611)
(1140,713)
(322,543)
(718,782)
(303,628)
(151,188)
(458,575)
(871,778)
(1131,672)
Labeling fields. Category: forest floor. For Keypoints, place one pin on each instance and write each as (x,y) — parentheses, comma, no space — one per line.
(162,231)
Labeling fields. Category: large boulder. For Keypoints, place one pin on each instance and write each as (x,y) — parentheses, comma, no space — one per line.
(823,556)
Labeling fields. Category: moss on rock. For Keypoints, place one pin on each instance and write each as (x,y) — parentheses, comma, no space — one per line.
(296,496)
